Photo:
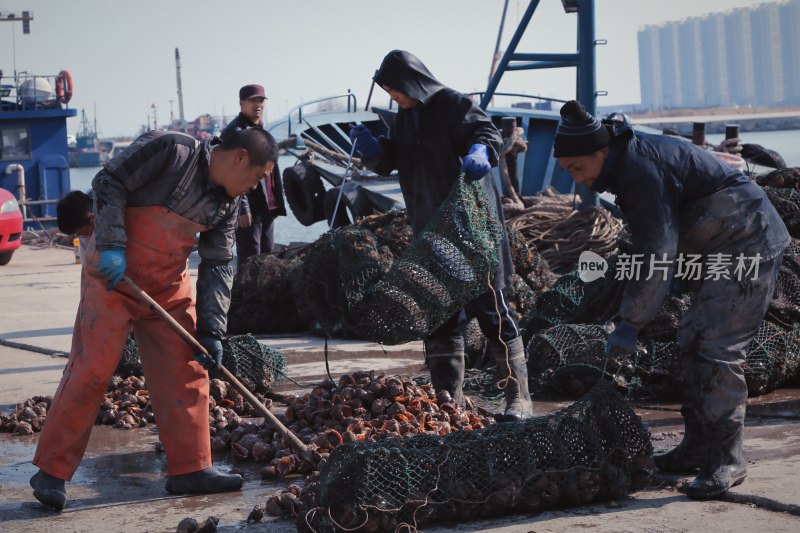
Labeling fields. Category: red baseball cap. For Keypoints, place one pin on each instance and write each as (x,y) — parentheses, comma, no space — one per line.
(252,91)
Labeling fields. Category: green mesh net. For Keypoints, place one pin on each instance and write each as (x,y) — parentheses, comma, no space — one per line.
(353,286)
(259,367)
(450,263)
(595,449)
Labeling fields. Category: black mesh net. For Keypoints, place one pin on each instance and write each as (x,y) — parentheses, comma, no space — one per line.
(595,449)
(261,297)
(787,203)
(259,367)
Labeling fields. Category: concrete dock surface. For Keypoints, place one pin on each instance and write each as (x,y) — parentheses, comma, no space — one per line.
(119,486)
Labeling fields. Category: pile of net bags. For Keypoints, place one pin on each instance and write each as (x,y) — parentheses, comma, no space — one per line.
(349,284)
(566,339)
(596,449)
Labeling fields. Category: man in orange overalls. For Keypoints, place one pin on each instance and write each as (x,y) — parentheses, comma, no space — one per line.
(150,202)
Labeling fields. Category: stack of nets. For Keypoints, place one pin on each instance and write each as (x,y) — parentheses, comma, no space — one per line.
(570,358)
(261,298)
(787,202)
(349,285)
(595,449)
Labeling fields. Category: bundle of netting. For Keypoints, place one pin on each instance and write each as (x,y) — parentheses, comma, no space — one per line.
(787,203)
(339,269)
(569,359)
(784,308)
(261,297)
(450,262)
(259,367)
(595,449)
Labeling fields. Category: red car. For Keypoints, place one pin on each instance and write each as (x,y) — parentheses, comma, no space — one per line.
(10,226)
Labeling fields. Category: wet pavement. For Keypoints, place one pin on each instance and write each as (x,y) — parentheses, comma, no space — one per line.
(120,483)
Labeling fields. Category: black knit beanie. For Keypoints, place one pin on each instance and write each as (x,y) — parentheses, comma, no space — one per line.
(579,133)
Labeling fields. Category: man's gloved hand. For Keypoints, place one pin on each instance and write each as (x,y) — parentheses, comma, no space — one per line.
(622,340)
(476,164)
(112,266)
(366,143)
(213,361)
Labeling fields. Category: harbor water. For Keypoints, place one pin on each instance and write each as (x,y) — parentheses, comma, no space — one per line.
(289,230)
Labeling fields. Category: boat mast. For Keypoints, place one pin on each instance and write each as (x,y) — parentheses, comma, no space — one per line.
(180,90)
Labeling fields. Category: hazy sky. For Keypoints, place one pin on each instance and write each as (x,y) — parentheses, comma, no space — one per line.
(121,53)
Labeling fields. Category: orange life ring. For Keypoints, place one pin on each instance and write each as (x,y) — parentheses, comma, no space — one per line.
(64,87)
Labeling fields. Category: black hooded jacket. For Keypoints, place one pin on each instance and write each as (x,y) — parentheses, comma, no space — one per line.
(427,143)
(680,199)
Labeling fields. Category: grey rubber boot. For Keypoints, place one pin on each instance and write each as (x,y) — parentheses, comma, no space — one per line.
(512,371)
(445,360)
(724,468)
(49,490)
(204,482)
(692,452)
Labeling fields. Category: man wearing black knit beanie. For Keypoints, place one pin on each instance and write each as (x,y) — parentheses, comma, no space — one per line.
(681,202)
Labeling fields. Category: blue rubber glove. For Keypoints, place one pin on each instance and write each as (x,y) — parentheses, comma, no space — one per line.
(213,361)
(476,164)
(366,143)
(622,341)
(112,266)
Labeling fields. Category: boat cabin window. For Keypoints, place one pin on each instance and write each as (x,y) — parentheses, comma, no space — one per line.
(14,143)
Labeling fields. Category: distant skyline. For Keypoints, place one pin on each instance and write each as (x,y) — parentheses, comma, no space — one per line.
(121,54)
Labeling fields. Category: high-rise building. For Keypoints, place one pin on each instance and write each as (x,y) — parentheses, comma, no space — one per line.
(743,57)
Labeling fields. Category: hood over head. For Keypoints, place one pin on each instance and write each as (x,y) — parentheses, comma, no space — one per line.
(404,72)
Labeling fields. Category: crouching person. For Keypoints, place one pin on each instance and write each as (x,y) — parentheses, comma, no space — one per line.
(681,201)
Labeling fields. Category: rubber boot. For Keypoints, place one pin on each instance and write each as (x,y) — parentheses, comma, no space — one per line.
(724,468)
(445,359)
(513,379)
(49,490)
(203,482)
(691,454)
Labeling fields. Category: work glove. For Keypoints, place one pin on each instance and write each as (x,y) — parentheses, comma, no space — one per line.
(476,164)
(366,143)
(622,341)
(213,360)
(112,266)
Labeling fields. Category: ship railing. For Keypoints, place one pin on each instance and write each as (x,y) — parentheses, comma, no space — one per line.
(298,110)
(480,94)
(23,91)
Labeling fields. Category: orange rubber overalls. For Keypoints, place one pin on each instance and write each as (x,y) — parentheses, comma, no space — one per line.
(158,245)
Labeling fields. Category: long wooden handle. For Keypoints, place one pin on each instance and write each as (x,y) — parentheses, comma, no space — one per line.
(302,450)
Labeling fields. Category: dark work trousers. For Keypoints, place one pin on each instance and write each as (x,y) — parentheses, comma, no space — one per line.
(259,238)
(494,314)
(715,331)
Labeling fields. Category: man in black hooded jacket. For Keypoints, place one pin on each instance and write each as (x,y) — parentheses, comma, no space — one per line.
(680,201)
(439,133)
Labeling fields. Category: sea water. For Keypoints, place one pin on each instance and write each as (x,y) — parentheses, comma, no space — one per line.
(288,229)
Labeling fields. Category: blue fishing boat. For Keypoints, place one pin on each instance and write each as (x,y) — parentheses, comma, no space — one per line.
(89,151)
(34,163)
(533,119)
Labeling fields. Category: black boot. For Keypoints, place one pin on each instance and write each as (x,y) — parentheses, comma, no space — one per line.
(691,454)
(725,466)
(203,482)
(445,359)
(49,490)
(513,379)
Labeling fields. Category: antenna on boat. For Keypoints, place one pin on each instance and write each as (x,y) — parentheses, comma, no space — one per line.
(180,89)
(26,18)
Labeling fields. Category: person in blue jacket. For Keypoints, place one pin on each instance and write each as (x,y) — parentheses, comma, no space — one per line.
(680,202)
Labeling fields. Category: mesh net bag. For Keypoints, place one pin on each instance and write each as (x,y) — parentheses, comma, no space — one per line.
(129,364)
(448,264)
(787,203)
(785,305)
(595,449)
(261,297)
(258,367)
